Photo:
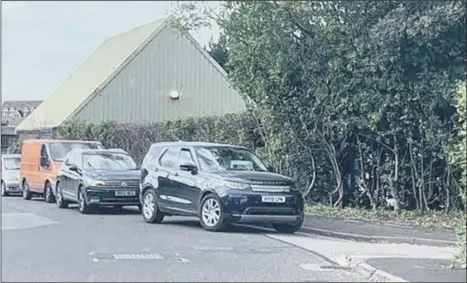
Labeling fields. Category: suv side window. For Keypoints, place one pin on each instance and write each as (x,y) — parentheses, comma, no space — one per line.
(185,157)
(169,158)
(152,155)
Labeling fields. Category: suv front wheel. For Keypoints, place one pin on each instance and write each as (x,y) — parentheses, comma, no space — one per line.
(211,214)
(289,228)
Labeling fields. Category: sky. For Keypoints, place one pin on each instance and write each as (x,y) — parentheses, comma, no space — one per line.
(43,43)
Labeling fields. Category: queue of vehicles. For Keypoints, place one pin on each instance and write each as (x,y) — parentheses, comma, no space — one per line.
(217,183)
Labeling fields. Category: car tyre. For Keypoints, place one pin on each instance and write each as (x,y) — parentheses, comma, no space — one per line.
(61,202)
(4,192)
(289,228)
(48,194)
(211,215)
(27,195)
(150,209)
(83,205)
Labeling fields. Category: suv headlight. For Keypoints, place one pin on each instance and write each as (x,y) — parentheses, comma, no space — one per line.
(94,183)
(235,185)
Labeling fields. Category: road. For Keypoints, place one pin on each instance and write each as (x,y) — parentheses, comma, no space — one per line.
(41,243)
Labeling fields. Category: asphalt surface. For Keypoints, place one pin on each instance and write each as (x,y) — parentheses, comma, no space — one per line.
(420,269)
(42,243)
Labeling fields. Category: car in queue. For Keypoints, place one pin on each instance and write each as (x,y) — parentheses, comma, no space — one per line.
(10,174)
(96,178)
(40,161)
(219,184)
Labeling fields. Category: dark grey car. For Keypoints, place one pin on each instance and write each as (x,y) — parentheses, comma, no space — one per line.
(98,177)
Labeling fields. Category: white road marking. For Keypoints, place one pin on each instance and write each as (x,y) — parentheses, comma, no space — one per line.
(137,256)
(210,249)
(16,221)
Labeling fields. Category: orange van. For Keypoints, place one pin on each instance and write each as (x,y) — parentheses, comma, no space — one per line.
(40,160)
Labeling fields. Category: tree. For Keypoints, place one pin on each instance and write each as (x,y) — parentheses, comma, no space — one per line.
(359,94)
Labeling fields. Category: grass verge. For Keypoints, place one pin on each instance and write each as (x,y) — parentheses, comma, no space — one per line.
(430,219)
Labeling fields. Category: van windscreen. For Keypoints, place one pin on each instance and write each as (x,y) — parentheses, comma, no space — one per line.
(58,151)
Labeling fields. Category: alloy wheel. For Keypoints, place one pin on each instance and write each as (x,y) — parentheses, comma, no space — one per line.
(211,212)
(59,195)
(81,201)
(149,204)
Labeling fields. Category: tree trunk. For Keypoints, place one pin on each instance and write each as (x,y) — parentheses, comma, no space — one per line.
(313,179)
(395,183)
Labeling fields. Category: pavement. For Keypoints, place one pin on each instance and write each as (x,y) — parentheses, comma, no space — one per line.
(366,231)
(42,243)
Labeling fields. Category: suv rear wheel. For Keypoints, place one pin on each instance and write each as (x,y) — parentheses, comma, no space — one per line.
(211,214)
(150,210)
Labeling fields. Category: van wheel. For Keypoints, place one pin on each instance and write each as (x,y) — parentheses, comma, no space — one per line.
(26,192)
(61,202)
(48,194)
(4,192)
(82,203)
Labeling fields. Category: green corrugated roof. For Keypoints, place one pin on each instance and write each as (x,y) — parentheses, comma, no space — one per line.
(93,74)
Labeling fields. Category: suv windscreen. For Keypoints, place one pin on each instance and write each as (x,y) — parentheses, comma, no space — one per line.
(59,151)
(108,161)
(11,163)
(222,158)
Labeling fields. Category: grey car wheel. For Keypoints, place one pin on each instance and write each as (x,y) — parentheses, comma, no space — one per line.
(4,192)
(82,203)
(61,202)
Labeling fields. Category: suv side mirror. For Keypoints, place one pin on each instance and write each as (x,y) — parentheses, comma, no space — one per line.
(271,168)
(190,168)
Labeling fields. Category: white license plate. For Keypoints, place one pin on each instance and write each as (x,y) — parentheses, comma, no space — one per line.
(125,193)
(273,199)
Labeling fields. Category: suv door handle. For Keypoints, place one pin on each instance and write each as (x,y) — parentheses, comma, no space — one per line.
(176,174)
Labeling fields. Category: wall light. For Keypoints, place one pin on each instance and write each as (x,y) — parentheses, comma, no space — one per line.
(174,94)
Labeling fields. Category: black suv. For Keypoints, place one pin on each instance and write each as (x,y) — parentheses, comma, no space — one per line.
(218,183)
(98,177)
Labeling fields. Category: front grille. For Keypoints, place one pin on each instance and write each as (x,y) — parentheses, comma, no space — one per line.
(268,188)
(118,184)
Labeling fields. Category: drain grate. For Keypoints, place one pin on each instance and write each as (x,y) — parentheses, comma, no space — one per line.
(137,256)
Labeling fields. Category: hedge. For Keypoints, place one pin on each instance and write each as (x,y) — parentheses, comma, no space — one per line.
(235,129)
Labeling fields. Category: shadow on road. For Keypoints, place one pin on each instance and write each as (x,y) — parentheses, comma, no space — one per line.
(109,210)
(194,223)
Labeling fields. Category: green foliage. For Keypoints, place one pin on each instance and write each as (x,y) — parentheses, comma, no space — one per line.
(431,220)
(459,159)
(15,147)
(135,139)
(359,95)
